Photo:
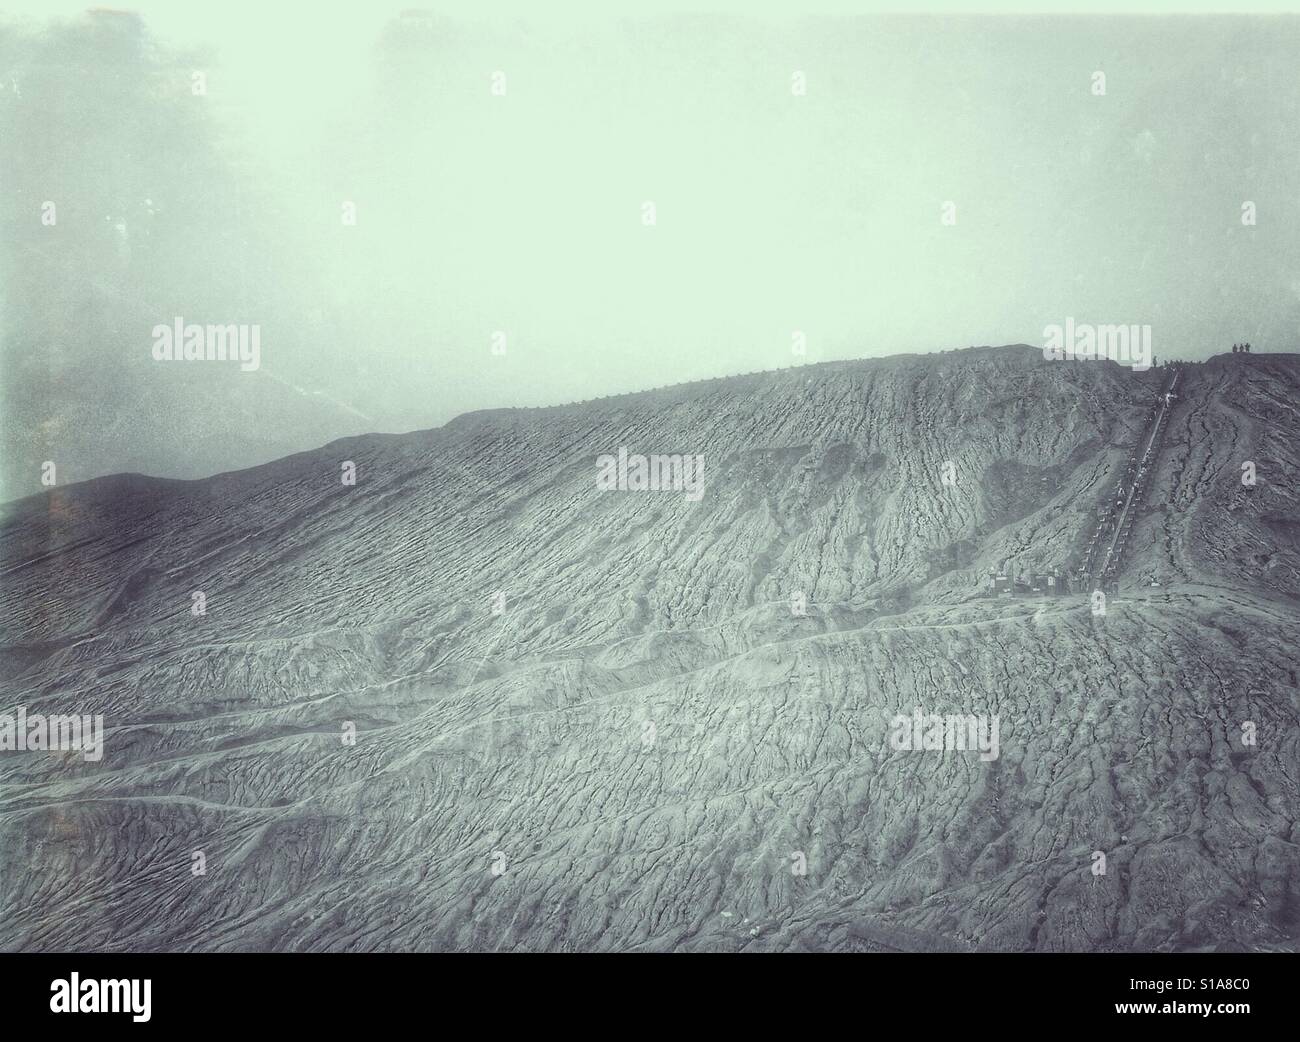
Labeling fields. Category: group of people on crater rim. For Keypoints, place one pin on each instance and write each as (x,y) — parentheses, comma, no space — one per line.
(1240,349)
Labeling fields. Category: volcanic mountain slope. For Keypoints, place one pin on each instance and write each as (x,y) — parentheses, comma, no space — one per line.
(592,719)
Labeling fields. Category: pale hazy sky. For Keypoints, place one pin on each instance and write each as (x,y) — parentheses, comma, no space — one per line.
(523,213)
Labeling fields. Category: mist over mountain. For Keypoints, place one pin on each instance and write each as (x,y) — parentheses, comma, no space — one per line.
(615,202)
(630,719)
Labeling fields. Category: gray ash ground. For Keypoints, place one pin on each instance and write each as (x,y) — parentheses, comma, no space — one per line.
(591,720)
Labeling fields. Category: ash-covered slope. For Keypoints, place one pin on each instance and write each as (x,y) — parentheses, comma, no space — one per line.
(630,720)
